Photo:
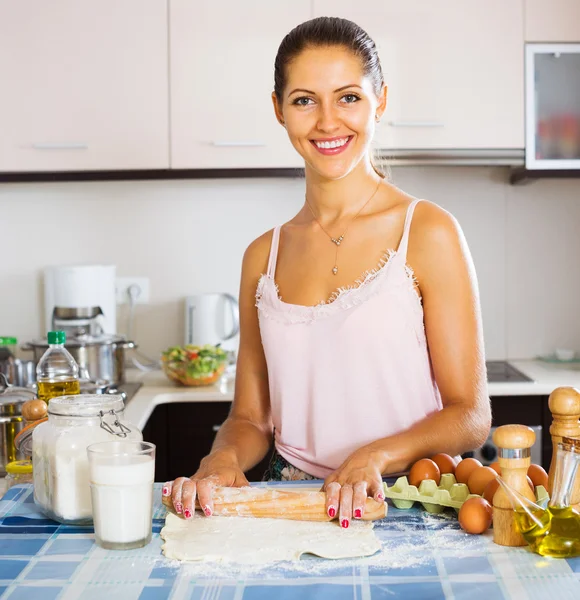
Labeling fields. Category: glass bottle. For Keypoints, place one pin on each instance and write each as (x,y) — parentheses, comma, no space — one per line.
(555,530)
(57,373)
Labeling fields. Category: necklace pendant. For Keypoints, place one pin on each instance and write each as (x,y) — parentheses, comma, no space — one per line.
(335,270)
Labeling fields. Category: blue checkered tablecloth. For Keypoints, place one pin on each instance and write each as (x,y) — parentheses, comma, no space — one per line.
(424,556)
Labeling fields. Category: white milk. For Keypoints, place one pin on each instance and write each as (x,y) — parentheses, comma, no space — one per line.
(122,497)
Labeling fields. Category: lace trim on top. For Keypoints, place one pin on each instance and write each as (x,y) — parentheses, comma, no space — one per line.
(270,303)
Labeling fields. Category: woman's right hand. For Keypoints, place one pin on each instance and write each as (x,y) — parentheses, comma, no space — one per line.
(216,470)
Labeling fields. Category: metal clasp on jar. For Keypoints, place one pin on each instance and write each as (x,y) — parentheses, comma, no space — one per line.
(122,431)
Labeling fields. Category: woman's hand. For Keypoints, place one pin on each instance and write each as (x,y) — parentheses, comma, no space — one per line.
(347,489)
(219,469)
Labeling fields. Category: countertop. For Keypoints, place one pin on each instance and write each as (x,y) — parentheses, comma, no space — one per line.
(422,556)
(158,389)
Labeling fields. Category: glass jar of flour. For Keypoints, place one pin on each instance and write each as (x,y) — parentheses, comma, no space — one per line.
(59,452)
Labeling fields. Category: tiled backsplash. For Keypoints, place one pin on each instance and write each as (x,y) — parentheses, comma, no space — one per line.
(189,237)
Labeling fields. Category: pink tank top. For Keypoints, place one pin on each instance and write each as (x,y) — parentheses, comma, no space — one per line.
(349,371)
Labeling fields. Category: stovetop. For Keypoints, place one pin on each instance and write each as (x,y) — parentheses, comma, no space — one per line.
(128,390)
(500,371)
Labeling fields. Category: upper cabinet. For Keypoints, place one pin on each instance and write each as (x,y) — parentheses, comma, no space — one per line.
(454,70)
(222,76)
(84,85)
(552,20)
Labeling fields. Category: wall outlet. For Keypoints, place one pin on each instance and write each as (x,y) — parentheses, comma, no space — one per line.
(141,289)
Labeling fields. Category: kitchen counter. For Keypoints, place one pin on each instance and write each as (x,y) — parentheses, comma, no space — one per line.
(158,389)
(422,556)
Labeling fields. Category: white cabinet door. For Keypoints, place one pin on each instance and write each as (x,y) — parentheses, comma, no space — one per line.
(552,20)
(222,76)
(454,70)
(83,85)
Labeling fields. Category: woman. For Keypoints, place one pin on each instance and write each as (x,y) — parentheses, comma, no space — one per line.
(355,376)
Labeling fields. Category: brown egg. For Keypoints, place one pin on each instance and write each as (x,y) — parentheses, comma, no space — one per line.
(464,469)
(531,484)
(538,475)
(490,490)
(445,463)
(424,469)
(475,515)
(33,410)
(495,466)
(479,478)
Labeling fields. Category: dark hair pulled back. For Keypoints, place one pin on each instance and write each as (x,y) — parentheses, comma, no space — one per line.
(328,31)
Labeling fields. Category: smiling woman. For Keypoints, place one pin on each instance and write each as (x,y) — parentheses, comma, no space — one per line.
(361,362)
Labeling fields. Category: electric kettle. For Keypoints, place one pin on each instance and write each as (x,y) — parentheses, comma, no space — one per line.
(212,319)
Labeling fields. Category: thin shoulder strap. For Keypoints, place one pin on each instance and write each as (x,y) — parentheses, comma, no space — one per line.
(273,252)
(402,250)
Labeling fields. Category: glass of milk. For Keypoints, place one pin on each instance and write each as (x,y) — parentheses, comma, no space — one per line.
(121,475)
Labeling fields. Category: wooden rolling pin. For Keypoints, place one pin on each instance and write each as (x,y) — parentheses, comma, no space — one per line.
(275,503)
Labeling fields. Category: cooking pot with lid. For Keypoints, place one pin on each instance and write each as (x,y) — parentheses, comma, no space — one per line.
(100,358)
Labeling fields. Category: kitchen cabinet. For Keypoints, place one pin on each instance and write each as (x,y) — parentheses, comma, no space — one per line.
(222,75)
(454,70)
(552,20)
(84,85)
(183,433)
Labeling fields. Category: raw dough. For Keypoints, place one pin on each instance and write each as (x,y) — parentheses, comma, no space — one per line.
(261,541)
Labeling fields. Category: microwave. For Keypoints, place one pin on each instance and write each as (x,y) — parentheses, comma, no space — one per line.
(552,103)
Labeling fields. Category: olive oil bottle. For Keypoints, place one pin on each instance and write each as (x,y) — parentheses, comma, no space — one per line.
(554,530)
(57,373)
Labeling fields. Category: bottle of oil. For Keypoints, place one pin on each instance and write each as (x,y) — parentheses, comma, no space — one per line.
(57,373)
(555,530)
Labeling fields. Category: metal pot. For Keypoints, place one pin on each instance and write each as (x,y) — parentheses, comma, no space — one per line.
(11,422)
(99,358)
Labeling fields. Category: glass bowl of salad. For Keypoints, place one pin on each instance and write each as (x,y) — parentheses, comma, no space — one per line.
(194,365)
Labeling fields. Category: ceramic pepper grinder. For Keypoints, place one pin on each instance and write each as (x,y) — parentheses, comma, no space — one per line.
(514,444)
(564,404)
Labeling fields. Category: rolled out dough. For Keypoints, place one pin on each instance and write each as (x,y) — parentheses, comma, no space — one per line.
(261,541)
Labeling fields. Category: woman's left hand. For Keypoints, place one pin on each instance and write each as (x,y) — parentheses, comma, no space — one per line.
(348,487)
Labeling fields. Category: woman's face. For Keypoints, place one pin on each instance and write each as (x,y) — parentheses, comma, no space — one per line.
(329,109)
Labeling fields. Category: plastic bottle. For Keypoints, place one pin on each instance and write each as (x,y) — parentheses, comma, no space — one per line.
(57,373)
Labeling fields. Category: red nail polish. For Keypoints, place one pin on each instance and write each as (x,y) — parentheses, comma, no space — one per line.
(358,513)
(344,523)
(331,512)
(178,507)
(187,513)
(380,498)
(165,491)
(207,511)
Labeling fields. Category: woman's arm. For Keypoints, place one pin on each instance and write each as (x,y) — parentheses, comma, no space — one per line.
(443,267)
(245,437)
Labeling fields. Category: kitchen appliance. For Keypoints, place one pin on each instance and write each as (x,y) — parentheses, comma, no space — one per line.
(100,358)
(488,453)
(500,371)
(212,319)
(80,300)
(552,106)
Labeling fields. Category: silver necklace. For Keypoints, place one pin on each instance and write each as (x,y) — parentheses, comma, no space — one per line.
(338,241)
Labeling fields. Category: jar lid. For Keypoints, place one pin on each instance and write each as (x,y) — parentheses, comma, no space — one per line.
(84,405)
(19,467)
(8,341)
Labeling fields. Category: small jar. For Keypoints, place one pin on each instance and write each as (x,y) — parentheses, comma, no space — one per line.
(59,452)
(17,472)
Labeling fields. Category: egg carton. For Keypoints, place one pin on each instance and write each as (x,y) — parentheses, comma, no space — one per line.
(436,498)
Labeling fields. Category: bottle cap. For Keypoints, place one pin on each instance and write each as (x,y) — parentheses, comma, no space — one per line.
(8,341)
(56,337)
(19,467)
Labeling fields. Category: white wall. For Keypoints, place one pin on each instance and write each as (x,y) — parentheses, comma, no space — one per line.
(189,236)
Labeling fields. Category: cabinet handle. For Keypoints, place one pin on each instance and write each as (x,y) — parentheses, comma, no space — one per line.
(61,146)
(241,144)
(416,124)
(216,428)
